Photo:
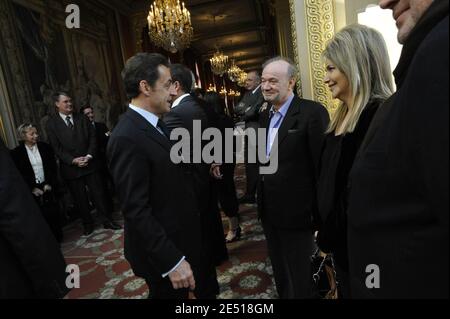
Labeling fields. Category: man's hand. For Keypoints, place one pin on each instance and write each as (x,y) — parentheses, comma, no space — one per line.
(182,276)
(47,188)
(215,171)
(37,192)
(80,161)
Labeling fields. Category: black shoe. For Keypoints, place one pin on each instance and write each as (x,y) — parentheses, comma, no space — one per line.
(247,200)
(236,236)
(111,225)
(88,230)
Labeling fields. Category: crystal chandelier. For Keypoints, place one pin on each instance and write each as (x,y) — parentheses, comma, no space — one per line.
(219,63)
(170,25)
(234,72)
(242,79)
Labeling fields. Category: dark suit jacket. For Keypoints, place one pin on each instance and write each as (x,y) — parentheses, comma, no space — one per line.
(398,208)
(20,157)
(183,116)
(69,144)
(249,107)
(288,198)
(161,222)
(31,263)
(102,140)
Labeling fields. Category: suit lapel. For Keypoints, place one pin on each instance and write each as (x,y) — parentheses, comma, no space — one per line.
(149,129)
(289,121)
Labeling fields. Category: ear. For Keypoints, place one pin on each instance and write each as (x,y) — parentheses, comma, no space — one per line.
(144,88)
(292,83)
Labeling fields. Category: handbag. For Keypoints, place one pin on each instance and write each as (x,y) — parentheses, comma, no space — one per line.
(324,283)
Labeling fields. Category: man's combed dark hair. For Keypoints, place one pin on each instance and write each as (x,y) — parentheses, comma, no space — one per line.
(142,67)
(183,75)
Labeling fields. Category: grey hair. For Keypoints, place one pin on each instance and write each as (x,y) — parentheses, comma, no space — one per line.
(292,69)
(22,130)
(361,54)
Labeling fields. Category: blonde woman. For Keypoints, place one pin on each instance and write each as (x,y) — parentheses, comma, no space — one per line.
(359,76)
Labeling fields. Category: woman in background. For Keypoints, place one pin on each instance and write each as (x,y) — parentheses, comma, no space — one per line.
(226,188)
(37,164)
(359,75)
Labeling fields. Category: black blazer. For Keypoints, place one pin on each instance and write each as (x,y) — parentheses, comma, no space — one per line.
(20,157)
(399,206)
(183,116)
(161,222)
(31,263)
(102,139)
(69,144)
(288,198)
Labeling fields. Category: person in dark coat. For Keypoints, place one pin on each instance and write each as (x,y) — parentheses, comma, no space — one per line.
(31,263)
(162,223)
(102,133)
(73,139)
(36,162)
(346,55)
(185,110)
(226,188)
(249,110)
(398,211)
(287,198)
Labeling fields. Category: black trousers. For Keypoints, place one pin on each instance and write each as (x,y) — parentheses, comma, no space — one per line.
(164,290)
(290,251)
(97,192)
(227,191)
(251,169)
(50,211)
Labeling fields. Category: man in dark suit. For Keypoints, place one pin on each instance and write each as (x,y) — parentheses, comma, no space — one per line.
(162,235)
(102,133)
(185,110)
(287,198)
(74,142)
(248,109)
(398,207)
(101,130)
(31,263)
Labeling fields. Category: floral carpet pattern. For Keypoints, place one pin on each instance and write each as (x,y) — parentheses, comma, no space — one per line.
(105,274)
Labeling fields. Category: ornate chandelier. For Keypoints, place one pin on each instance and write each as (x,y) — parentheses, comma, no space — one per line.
(242,79)
(219,63)
(234,72)
(170,25)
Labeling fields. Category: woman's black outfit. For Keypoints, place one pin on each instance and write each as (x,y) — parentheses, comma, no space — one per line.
(337,160)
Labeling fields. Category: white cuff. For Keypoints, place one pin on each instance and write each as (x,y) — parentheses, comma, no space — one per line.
(179,263)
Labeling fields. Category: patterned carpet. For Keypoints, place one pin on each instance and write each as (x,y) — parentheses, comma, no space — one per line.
(105,274)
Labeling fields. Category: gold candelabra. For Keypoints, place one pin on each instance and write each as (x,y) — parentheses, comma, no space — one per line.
(170,25)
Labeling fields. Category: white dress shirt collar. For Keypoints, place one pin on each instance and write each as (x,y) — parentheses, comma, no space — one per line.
(64,116)
(254,91)
(178,101)
(149,116)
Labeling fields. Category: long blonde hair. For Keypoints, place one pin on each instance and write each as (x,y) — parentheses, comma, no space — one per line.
(361,54)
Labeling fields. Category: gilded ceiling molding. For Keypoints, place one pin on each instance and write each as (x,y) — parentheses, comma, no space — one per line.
(295,44)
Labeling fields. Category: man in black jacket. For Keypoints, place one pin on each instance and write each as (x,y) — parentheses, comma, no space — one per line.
(185,110)
(74,141)
(398,206)
(102,133)
(31,263)
(287,198)
(162,235)
(249,109)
